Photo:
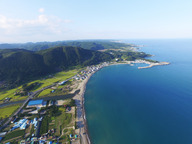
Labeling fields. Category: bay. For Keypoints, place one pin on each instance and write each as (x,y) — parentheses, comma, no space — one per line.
(143,106)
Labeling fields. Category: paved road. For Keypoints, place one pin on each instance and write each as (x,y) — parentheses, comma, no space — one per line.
(25,102)
(18,110)
(11,103)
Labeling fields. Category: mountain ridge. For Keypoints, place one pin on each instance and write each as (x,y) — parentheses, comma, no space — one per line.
(18,65)
(86,44)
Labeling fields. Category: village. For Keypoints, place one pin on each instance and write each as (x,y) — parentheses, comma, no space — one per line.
(57,119)
(49,121)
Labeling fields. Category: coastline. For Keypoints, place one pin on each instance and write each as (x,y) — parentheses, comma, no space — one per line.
(81,116)
(83,109)
(79,98)
(151,64)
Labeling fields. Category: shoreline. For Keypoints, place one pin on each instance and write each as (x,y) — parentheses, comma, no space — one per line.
(80,100)
(150,64)
(83,109)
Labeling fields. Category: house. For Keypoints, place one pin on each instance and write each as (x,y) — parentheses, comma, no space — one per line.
(20,123)
(62,83)
(34,139)
(1,138)
(70,135)
(2,134)
(35,122)
(22,142)
(36,103)
(13,120)
(7,99)
(24,125)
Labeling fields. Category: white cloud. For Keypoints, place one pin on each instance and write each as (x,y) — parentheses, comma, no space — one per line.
(42,26)
(42,19)
(41,10)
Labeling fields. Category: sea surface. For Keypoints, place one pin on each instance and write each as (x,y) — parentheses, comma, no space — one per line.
(127,105)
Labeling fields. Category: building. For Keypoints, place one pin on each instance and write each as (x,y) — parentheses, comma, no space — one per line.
(21,123)
(35,122)
(22,142)
(36,103)
(24,125)
(2,134)
(62,83)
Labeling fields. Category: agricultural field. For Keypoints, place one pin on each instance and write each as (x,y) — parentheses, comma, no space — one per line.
(45,92)
(58,77)
(58,90)
(8,93)
(61,120)
(43,82)
(15,135)
(7,111)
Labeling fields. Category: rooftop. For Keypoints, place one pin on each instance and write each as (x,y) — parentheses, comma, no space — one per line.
(35,102)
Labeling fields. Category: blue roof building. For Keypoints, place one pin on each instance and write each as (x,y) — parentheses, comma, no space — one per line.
(70,135)
(1,138)
(35,103)
(24,125)
(19,124)
(44,103)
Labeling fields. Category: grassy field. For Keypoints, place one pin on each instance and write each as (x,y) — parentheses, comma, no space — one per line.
(45,92)
(58,77)
(14,134)
(7,111)
(8,93)
(60,122)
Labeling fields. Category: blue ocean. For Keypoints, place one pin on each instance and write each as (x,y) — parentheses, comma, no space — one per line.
(127,105)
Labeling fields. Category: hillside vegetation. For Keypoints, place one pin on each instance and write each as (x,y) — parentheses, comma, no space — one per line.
(17,65)
(86,44)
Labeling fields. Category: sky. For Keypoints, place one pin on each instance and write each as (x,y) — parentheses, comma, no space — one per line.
(55,20)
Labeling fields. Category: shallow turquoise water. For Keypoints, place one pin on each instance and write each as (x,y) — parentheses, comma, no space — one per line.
(143,106)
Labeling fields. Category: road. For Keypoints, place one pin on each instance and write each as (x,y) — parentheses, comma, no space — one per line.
(26,101)
(18,110)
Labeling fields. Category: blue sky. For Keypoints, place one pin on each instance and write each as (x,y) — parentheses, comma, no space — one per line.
(48,20)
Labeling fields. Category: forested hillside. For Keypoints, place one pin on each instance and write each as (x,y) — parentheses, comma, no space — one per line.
(86,44)
(17,65)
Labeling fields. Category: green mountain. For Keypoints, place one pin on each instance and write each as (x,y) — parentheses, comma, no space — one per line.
(64,57)
(18,65)
(86,44)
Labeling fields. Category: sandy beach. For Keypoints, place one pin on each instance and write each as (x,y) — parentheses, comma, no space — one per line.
(81,117)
